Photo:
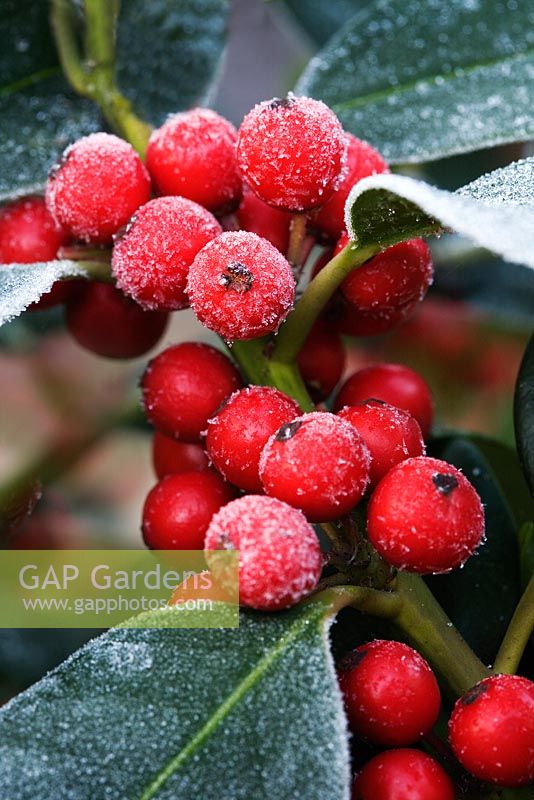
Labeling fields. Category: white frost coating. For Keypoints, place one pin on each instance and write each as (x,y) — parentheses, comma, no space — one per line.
(496,211)
(23,284)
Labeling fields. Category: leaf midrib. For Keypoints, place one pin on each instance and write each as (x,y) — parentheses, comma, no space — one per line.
(224,709)
(29,80)
(404,88)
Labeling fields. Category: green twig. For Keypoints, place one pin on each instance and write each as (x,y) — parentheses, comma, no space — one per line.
(370,601)
(518,633)
(67,46)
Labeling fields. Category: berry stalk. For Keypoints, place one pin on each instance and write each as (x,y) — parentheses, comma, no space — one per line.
(518,633)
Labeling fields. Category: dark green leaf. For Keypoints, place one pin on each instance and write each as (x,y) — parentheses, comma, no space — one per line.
(23,284)
(495,211)
(524,413)
(253,712)
(422,82)
(526,549)
(321,20)
(481,598)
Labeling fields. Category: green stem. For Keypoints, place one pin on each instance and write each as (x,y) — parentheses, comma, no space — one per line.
(433,634)
(370,601)
(96,270)
(296,329)
(67,46)
(287,378)
(518,633)
(250,355)
(297,235)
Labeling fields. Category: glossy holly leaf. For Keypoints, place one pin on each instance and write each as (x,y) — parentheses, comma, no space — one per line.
(524,413)
(23,284)
(496,211)
(235,714)
(481,598)
(167,52)
(421,83)
(321,20)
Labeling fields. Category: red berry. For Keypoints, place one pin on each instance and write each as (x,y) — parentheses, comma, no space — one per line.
(240,286)
(193,155)
(29,234)
(322,360)
(239,431)
(184,385)
(395,384)
(386,290)
(103,320)
(403,774)
(170,457)
(317,463)
(152,256)
(491,730)
(391,435)
(425,516)
(257,217)
(391,695)
(179,509)
(96,187)
(361,161)
(291,152)
(280,559)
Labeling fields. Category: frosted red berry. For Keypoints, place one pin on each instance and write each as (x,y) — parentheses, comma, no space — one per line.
(256,216)
(322,360)
(171,457)
(184,385)
(180,507)
(29,234)
(391,435)
(403,774)
(395,384)
(152,256)
(193,155)
(239,431)
(241,286)
(104,321)
(291,151)
(280,558)
(387,289)
(425,516)
(317,463)
(97,185)
(391,695)
(491,730)
(362,160)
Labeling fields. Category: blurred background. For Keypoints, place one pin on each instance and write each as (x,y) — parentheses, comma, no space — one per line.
(79,414)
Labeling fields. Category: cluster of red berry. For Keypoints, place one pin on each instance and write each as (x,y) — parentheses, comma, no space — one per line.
(241,467)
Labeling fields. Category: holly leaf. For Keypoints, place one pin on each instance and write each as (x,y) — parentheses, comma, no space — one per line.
(321,20)
(167,53)
(524,414)
(253,712)
(496,211)
(23,284)
(481,598)
(422,83)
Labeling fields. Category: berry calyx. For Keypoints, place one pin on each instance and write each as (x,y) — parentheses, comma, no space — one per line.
(391,695)
(280,558)
(257,217)
(239,431)
(97,185)
(104,321)
(491,730)
(322,360)
(424,516)
(184,385)
(362,160)
(241,286)
(317,463)
(170,457)
(193,155)
(291,151)
(180,507)
(403,774)
(391,435)
(29,234)
(387,289)
(152,256)
(395,384)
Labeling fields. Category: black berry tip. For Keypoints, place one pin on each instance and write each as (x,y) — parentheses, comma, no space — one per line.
(445,483)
